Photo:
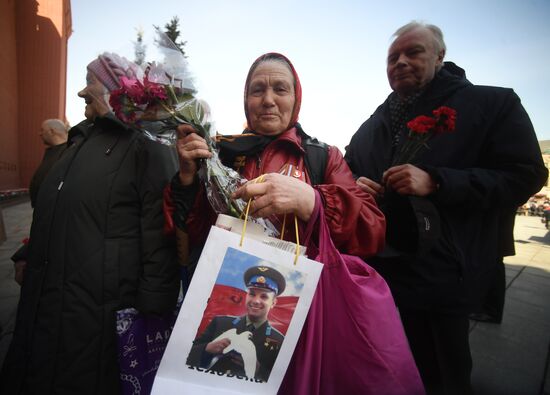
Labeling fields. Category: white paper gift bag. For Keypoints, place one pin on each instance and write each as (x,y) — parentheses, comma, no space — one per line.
(241,318)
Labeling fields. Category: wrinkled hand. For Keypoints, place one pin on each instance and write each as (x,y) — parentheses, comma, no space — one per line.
(409,180)
(278,194)
(19,267)
(217,347)
(191,147)
(370,186)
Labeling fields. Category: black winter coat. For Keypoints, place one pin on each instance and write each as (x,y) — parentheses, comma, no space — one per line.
(96,246)
(490,164)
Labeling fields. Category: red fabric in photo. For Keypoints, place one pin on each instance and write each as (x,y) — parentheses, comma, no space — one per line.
(227,300)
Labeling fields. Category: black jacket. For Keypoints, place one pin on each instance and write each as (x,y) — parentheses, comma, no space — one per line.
(51,155)
(96,246)
(489,164)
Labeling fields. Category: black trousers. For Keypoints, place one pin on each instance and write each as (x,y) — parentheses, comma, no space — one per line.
(441,350)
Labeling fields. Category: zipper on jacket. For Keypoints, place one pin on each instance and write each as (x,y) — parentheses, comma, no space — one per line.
(258,162)
(112,147)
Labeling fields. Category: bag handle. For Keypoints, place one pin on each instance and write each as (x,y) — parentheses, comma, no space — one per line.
(327,252)
(297,249)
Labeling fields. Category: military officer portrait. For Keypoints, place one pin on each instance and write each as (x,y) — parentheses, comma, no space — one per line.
(247,345)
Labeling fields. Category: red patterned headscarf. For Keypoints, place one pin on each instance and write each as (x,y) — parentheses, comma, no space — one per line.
(297,86)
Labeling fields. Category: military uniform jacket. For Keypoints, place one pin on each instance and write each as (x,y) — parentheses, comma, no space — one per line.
(266,339)
(96,246)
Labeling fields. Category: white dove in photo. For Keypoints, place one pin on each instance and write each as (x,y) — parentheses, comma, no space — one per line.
(242,344)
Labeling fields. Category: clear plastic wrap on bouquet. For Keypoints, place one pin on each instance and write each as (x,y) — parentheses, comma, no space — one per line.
(157,100)
(220,181)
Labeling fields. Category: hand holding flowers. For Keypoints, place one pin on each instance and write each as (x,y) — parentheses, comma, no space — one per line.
(402,176)
(160,102)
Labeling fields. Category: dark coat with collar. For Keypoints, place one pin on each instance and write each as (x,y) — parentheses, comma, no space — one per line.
(266,339)
(96,246)
(489,165)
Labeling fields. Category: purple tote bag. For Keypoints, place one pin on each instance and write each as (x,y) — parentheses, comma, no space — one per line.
(353,341)
(142,340)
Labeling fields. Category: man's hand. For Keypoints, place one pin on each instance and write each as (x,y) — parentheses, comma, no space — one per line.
(409,180)
(370,186)
(19,267)
(217,347)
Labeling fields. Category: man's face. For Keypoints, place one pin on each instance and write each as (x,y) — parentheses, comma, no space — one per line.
(412,61)
(46,134)
(94,94)
(258,303)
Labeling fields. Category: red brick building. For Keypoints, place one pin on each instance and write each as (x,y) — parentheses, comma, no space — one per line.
(33,64)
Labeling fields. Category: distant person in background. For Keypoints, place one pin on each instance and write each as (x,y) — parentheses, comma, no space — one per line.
(546,214)
(54,135)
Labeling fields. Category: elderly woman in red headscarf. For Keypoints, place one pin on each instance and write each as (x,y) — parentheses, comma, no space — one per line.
(274,142)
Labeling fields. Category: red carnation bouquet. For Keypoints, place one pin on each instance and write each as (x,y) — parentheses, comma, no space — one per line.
(421,129)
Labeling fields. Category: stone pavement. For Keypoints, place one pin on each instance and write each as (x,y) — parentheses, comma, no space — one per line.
(509,359)
(17,221)
(512,358)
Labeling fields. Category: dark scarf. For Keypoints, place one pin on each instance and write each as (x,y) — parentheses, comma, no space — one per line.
(400,109)
(234,149)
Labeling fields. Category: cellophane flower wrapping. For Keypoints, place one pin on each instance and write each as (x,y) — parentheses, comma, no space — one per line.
(157,99)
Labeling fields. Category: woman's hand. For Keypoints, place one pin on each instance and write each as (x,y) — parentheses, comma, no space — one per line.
(191,147)
(278,194)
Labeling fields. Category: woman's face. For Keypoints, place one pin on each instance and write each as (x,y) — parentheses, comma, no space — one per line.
(94,94)
(270,98)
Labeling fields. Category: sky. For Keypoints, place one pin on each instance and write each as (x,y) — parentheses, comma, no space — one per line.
(236,262)
(338,48)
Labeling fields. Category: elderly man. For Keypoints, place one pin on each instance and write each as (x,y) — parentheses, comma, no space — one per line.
(96,246)
(210,349)
(491,161)
(54,136)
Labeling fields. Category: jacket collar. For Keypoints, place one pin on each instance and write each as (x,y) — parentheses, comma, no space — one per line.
(292,137)
(86,127)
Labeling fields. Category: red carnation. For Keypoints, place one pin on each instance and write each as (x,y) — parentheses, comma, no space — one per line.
(446,118)
(421,124)
(421,129)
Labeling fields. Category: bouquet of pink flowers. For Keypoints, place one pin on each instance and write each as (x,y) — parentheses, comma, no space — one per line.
(159,99)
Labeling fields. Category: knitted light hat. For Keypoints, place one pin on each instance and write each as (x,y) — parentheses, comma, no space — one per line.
(108,68)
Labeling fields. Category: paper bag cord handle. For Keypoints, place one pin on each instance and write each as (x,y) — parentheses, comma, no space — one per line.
(297,250)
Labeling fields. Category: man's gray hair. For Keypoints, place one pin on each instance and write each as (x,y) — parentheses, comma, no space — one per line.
(439,43)
(57,125)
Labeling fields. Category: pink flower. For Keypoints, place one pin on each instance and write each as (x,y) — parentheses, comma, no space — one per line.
(154,90)
(134,89)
